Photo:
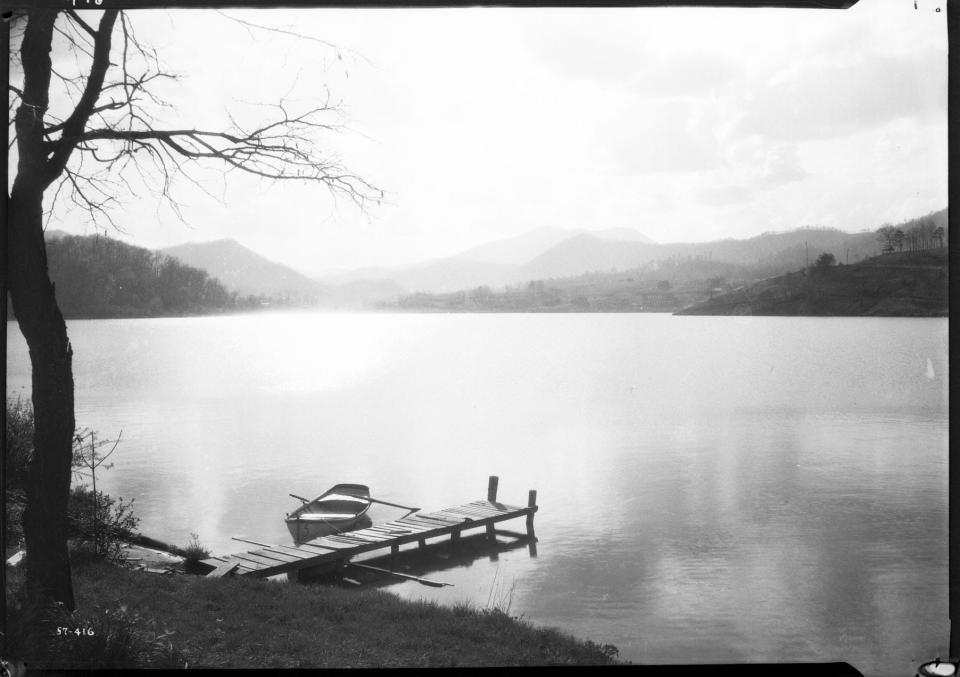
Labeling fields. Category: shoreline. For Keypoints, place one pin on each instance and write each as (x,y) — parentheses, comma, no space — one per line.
(182,621)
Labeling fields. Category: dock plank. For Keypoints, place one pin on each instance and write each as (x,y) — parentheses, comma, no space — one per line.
(398,531)
(462,517)
(350,541)
(417,519)
(320,543)
(459,510)
(413,527)
(216,561)
(436,525)
(277,555)
(503,507)
(257,561)
(293,551)
(489,507)
(446,519)
(496,505)
(367,534)
(223,569)
(470,512)
(477,506)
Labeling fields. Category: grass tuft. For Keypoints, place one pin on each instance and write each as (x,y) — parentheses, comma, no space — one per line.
(192,554)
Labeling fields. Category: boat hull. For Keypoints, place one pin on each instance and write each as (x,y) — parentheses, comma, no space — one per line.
(341,508)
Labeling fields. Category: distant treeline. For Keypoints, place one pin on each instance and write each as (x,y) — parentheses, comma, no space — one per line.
(897,284)
(926,232)
(670,285)
(99,277)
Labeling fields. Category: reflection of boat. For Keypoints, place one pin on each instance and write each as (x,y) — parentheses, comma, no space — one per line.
(337,509)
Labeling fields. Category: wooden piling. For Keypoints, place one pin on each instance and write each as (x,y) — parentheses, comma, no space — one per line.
(492,488)
(492,484)
(531,503)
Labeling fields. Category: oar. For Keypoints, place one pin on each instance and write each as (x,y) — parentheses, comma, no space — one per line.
(369,500)
(395,505)
(422,581)
(365,498)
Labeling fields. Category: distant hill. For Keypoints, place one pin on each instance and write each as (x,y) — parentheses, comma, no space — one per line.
(523,248)
(901,284)
(494,264)
(247,273)
(439,275)
(99,277)
(779,252)
(588,253)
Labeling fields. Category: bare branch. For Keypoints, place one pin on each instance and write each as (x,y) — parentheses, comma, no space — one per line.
(278,30)
(113,105)
(83,24)
(112,124)
(73,41)
(73,126)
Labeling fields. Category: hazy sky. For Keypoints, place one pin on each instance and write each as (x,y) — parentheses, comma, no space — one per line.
(685,123)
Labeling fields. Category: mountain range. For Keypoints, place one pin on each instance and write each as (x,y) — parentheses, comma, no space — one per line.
(553,253)
(546,253)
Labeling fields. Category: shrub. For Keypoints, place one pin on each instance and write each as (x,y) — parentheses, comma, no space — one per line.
(97,523)
(19,441)
(825,261)
(19,438)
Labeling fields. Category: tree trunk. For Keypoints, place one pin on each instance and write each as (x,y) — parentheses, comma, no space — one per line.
(35,306)
(51,357)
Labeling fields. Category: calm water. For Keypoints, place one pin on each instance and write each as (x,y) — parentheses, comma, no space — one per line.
(711,489)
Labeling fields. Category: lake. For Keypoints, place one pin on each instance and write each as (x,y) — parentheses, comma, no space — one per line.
(711,489)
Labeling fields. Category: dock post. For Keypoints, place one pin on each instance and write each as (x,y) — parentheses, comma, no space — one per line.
(492,488)
(492,497)
(531,503)
(531,535)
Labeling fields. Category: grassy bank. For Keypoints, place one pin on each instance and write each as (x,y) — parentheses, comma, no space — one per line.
(246,623)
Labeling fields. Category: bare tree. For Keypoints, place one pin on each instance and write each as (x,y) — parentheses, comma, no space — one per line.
(886,234)
(938,233)
(85,153)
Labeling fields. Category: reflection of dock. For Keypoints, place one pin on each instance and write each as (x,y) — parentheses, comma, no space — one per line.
(436,557)
(333,552)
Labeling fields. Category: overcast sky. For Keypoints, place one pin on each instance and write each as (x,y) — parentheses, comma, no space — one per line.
(688,124)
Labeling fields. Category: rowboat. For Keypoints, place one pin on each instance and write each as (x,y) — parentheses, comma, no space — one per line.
(340,508)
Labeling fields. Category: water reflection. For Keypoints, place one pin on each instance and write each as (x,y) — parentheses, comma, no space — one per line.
(711,489)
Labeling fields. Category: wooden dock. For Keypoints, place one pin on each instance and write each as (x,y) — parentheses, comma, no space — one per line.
(335,551)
